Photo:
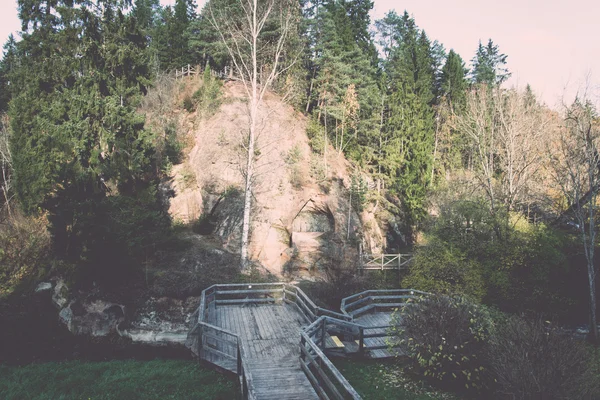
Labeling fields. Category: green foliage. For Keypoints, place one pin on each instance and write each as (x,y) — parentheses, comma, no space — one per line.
(454,81)
(528,359)
(158,379)
(502,260)
(24,251)
(316,138)
(170,35)
(292,159)
(188,104)
(358,191)
(488,65)
(442,268)
(80,151)
(445,337)
(406,152)
(208,98)
(384,380)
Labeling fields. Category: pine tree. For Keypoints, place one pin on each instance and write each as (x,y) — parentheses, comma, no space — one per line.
(489,65)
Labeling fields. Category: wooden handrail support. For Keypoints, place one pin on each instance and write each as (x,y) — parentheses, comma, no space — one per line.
(386,298)
(384,261)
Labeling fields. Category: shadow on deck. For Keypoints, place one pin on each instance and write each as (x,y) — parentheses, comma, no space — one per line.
(276,339)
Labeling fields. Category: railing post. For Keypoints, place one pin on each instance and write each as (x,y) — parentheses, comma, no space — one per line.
(239,360)
(361,341)
(323,334)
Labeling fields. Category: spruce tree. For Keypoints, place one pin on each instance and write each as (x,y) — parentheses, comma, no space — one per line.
(489,65)
(77,138)
(454,81)
(410,123)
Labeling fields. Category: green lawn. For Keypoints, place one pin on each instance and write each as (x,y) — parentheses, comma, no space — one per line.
(158,379)
(380,380)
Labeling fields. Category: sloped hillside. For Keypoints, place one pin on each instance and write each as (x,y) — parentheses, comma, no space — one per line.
(297,206)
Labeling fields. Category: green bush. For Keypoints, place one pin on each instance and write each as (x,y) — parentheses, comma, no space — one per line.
(315,133)
(529,360)
(24,251)
(208,98)
(188,104)
(442,268)
(445,337)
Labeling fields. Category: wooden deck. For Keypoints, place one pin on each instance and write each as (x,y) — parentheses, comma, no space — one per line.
(373,321)
(277,340)
(269,333)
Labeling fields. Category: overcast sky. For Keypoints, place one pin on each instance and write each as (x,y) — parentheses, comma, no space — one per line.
(550,44)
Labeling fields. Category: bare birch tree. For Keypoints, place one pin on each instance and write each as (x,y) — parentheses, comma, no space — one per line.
(257,62)
(576,163)
(505,129)
(5,165)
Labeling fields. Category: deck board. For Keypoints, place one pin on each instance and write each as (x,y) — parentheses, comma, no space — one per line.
(269,334)
(376,319)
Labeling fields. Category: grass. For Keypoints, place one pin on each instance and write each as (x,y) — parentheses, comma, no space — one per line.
(384,380)
(158,379)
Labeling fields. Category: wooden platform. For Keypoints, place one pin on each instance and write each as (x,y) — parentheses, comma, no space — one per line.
(373,320)
(269,333)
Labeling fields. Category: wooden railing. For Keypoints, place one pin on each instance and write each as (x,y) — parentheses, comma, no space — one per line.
(225,349)
(385,261)
(189,70)
(380,300)
(295,295)
(327,380)
(220,346)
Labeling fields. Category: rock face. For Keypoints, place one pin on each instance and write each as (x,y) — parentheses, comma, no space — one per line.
(43,286)
(98,318)
(160,321)
(294,190)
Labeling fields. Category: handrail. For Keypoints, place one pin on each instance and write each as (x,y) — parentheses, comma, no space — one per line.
(384,261)
(242,370)
(377,299)
(327,380)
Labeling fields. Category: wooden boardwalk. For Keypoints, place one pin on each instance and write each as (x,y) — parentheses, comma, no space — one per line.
(269,334)
(373,321)
(277,341)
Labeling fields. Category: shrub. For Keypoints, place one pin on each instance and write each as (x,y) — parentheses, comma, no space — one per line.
(188,104)
(208,98)
(445,337)
(531,361)
(315,133)
(443,268)
(24,251)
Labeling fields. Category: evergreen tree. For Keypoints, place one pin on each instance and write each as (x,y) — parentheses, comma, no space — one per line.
(172,35)
(489,65)
(410,123)
(341,65)
(454,81)
(77,137)
(145,12)
(7,65)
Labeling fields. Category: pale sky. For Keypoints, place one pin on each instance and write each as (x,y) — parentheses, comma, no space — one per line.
(550,44)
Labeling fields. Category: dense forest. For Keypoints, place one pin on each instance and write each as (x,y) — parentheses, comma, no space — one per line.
(494,191)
